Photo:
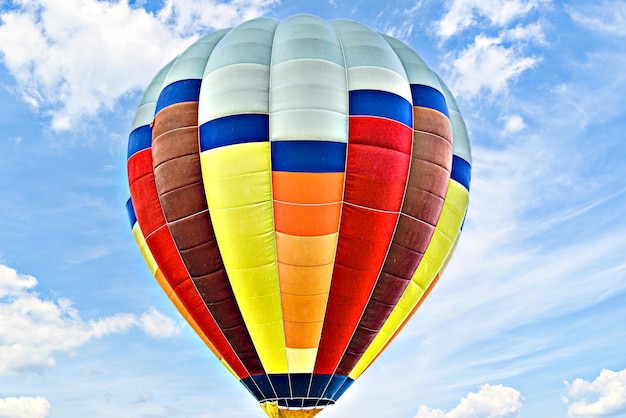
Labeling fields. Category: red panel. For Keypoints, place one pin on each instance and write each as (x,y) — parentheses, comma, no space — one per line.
(190,298)
(376,173)
(360,254)
(377,163)
(167,257)
(139,165)
(367,224)
(161,244)
(144,194)
(381,132)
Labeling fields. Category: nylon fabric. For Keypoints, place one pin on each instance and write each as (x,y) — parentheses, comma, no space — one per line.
(452,216)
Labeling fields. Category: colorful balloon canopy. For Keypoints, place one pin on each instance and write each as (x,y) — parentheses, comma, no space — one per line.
(297,187)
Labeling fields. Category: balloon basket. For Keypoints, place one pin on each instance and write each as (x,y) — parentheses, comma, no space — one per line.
(273,411)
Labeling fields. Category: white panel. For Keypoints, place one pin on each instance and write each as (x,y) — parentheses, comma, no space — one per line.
(309,84)
(232,90)
(309,124)
(378,78)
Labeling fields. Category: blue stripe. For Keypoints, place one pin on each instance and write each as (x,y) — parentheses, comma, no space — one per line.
(280,383)
(248,382)
(263,383)
(139,139)
(426,96)
(381,103)
(131,212)
(300,384)
(234,129)
(318,384)
(310,403)
(334,386)
(461,171)
(343,388)
(178,92)
(309,156)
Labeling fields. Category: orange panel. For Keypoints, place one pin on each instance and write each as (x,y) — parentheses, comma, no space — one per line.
(308,308)
(308,188)
(302,335)
(306,220)
(305,280)
(306,251)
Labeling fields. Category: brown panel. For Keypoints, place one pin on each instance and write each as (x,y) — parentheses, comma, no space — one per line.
(203,259)
(422,205)
(213,287)
(175,116)
(376,314)
(413,233)
(192,231)
(433,121)
(402,261)
(178,172)
(432,148)
(174,144)
(183,202)
(178,179)
(429,177)
(426,187)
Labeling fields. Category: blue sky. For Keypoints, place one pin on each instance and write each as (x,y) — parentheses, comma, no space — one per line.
(528,320)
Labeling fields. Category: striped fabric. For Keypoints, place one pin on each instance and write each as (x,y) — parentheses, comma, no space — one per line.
(297,188)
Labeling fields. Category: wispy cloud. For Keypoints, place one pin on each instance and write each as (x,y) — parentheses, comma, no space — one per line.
(24,407)
(487,64)
(608,17)
(502,35)
(462,14)
(490,401)
(610,390)
(70,62)
(34,330)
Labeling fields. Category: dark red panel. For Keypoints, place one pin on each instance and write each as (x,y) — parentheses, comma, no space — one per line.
(426,189)
(178,178)
(190,298)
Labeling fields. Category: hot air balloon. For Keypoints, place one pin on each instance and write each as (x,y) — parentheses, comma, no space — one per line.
(297,188)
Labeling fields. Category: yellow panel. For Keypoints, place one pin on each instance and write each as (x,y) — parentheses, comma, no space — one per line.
(143,248)
(250,188)
(301,360)
(235,160)
(434,259)
(237,184)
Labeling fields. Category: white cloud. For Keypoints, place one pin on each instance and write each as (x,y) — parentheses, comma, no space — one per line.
(495,401)
(34,330)
(157,325)
(75,58)
(513,124)
(190,16)
(24,407)
(462,14)
(610,390)
(606,17)
(487,64)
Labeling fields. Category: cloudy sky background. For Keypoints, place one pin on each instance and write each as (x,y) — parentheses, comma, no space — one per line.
(529,319)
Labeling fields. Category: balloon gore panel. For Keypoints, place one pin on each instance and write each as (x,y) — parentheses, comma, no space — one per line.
(297,189)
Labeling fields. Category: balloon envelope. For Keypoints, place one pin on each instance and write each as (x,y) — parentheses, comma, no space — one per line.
(297,187)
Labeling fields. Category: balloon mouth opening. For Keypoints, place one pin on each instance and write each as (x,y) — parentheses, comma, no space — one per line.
(274,410)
